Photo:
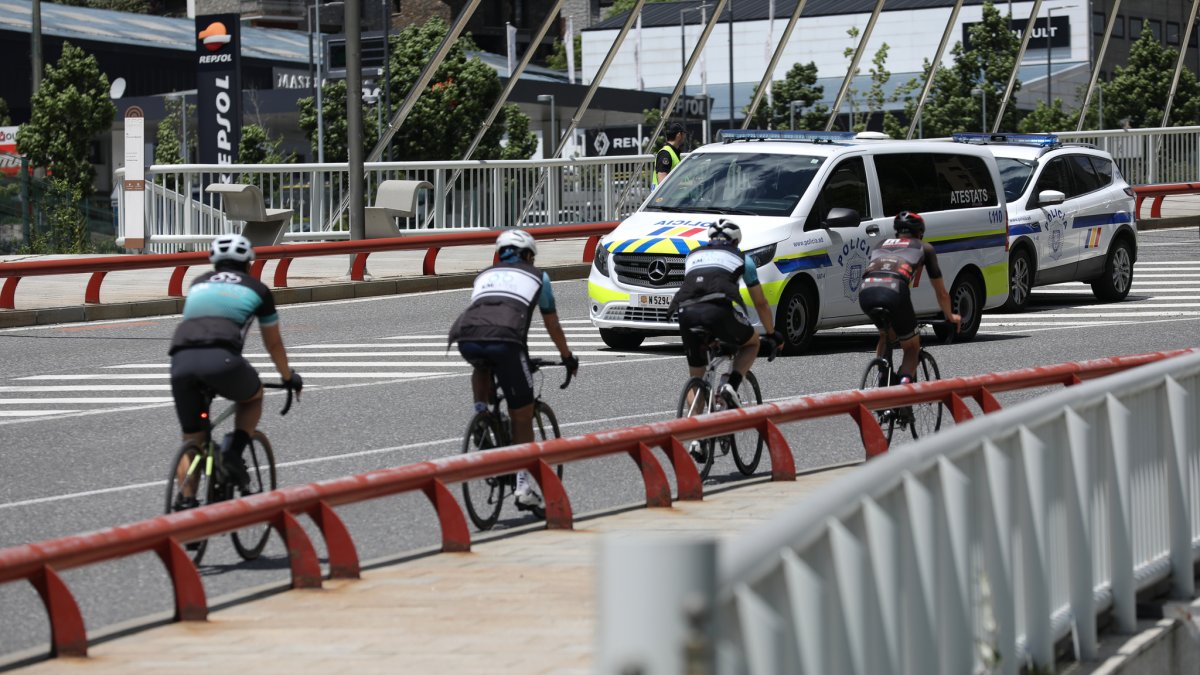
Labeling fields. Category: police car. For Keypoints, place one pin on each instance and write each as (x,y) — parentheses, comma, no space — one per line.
(812,206)
(1071,215)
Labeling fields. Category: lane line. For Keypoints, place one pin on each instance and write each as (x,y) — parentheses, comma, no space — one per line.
(398,376)
(89,387)
(552,354)
(79,399)
(32,413)
(1101,315)
(1043,330)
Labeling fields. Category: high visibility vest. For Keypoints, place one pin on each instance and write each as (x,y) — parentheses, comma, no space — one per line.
(674,163)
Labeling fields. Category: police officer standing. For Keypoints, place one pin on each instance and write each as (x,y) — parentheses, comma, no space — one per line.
(668,157)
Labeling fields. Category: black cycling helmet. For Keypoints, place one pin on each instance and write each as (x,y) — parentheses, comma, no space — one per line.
(911,222)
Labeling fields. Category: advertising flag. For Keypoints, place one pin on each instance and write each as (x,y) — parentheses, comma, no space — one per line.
(569,40)
(512,48)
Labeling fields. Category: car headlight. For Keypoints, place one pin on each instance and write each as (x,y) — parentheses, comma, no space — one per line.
(601,259)
(762,255)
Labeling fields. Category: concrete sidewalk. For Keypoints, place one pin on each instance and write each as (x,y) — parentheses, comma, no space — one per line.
(520,604)
(137,293)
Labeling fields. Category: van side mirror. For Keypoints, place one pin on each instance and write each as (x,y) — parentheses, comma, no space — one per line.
(839,217)
(1050,197)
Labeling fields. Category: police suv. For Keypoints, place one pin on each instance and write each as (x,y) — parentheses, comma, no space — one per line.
(812,206)
(1070,215)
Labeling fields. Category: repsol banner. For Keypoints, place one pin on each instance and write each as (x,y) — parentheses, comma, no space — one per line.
(219,88)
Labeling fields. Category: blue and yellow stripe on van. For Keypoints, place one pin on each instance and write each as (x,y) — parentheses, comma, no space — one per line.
(968,242)
(654,245)
(803,261)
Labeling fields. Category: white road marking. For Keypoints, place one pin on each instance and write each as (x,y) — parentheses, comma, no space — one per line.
(164,376)
(1172,275)
(77,400)
(89,387)
(1103,315)
(453,350)
(33,413)
(1136,291)
(1006,324)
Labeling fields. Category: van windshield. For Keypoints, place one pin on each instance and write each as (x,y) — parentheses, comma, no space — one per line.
(1015,174)
(736,184)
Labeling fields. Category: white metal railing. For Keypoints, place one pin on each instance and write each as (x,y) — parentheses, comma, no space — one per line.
(466,194)
(1148,156)
(974,550)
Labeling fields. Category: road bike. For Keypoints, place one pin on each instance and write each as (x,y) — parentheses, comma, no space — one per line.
(492,428)
(920,420)
(703,394)
(198,477)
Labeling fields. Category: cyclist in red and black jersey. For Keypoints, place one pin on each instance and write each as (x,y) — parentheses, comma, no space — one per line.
(885,290)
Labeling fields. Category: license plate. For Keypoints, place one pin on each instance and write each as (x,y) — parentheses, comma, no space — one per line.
(653,300)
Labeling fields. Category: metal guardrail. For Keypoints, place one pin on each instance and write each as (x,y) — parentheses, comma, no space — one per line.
(468,194)
(40,563)
(1157,193)
(13,272)
(978,549)
(1148,156)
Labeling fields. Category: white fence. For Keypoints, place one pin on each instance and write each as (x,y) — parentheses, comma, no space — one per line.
(975,550)
(1148,156)
(465,195)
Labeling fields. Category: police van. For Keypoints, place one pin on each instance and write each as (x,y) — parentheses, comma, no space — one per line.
(812,206)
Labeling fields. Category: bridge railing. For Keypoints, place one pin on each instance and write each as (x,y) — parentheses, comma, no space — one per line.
(40,563)
(1148,156)
(979,549)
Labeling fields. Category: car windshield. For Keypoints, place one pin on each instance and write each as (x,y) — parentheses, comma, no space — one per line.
(1015,174)
(736,184)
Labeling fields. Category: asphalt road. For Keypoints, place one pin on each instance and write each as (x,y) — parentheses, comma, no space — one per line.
(87,428)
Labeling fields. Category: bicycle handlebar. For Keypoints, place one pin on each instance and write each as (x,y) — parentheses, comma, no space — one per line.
(282,385)
(538,364)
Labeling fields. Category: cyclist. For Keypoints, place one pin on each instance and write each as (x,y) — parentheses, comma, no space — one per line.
(493,335)
(711,299)
(206,351)
(885,294)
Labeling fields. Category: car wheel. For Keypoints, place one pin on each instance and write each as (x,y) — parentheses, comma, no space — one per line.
(1117,279)
(966,299)
(1020,281)
(796,318)
(619,340)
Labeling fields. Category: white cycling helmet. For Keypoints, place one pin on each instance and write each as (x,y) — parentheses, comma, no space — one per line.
(518,239)
(727,229)
(232,248)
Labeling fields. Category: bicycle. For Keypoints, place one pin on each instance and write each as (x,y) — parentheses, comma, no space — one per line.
(200,470)
(702,394)
(922,419)
(493,429)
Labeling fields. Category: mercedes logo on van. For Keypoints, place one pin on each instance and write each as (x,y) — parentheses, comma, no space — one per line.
(657,271)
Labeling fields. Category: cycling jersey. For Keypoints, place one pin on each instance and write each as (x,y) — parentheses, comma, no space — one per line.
(711,273)
(502,301)
(903,258)
(219,309)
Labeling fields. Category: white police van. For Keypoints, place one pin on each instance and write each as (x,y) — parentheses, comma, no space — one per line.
(811,206)
(1071,215)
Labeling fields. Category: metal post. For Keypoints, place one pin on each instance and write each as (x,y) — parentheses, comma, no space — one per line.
(387,68)
(320,82)
(933,69)
(862,47)
(731,62)
(770,72)
(354,131)
(35,45)
(1087,97)
(1186,37)
(682,64)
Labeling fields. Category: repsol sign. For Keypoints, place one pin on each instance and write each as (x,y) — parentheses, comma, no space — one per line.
(219,89)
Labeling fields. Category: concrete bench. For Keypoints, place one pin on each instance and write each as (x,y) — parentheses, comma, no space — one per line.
(394,199)
(263,226)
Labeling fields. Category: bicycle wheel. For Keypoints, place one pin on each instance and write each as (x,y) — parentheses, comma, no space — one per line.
(190,471)
(694,401)
(545,427)
(926,417)
(483,496)
(260,463)
(879,374)
(747,446)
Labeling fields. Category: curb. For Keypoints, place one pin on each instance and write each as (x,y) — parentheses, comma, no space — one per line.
(283,296)
(1167,223)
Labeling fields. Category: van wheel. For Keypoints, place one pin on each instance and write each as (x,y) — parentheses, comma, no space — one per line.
(796,318)
(966,299)
(1114,285)
(622,341)
(1020,281)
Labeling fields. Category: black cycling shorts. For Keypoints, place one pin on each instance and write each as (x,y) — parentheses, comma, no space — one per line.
(890,294)
(720,320)
(217,370)
(510,364)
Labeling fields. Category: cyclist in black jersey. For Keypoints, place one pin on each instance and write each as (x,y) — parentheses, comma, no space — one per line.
(493,335)
(206,350)
(885,296)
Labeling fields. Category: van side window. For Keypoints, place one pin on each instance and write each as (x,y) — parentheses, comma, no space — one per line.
(1056,176)
(845,188)
(1104,169)
(925,182)
(1086,179)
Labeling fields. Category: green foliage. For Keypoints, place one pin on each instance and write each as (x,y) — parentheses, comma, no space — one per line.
(135,6)
(522,142)
(333,101)
(622,6)
(558,54)
(167,147)
(5,118)
(951,107)
(69,109)
(876,99)
(259,147)
(1048,119)
(1138,91)
(800,84)
(65,218)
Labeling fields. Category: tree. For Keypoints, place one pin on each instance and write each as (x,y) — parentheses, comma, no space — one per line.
(876,99)
(168,148)
(522,142)
(987,65)
(1138,91)
(558,54)
(135,6)
(5,118)
(800,85)
(1048,119)
(441,125)
(69,109)
(257,146)
(622,6)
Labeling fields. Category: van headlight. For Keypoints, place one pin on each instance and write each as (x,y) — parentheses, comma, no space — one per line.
(762,255)
(601,259)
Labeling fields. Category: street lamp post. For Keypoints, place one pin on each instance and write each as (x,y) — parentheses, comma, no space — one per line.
(792,113)
(1049,19)
(982,91)
(552,183)
(683,54)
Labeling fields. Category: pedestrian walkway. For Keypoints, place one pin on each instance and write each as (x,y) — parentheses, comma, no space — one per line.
(522,604)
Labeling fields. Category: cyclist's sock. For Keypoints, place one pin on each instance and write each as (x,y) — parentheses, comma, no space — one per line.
(480,406)
(235,443)
(906,379)
(735,380)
